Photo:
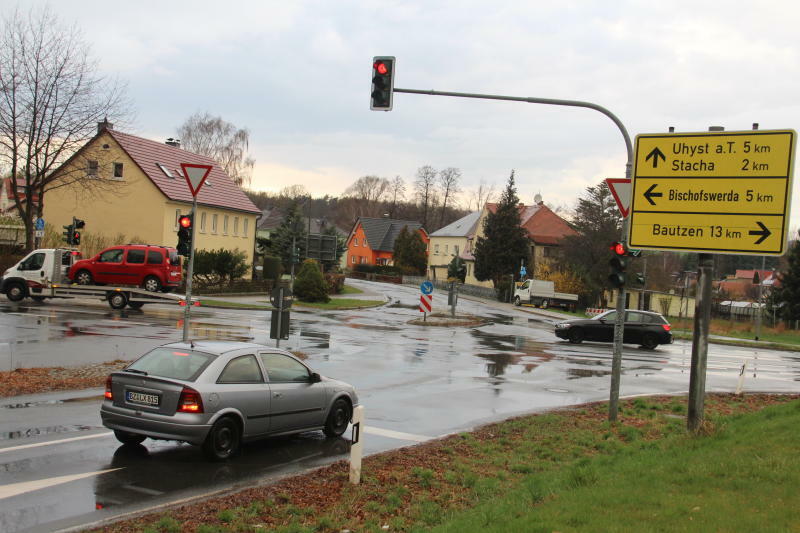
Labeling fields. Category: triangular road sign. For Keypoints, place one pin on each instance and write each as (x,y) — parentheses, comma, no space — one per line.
(621,190)
(195,175)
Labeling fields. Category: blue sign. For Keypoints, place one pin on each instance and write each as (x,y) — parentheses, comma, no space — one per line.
(522,271)
(39,224)
(426,287)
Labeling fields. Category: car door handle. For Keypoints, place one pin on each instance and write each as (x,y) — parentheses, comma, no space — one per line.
(277,395)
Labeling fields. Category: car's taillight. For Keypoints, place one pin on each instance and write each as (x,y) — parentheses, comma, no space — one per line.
(109,395)
(666,327)
(190,401)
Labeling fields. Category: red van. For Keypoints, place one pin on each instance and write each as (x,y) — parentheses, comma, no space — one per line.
(154,268)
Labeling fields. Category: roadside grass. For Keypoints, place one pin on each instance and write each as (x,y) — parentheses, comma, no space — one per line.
(568,470)
(341,303)
(740,330)
(232,305)
(348,289)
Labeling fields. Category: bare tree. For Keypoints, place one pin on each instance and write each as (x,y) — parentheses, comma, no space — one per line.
(51,100)
(369,193)
(397,192)
(481,195)
(293,192)
(425,191)
(449,187)
(222,141)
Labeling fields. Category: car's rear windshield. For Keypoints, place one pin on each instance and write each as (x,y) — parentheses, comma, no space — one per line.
(172,363)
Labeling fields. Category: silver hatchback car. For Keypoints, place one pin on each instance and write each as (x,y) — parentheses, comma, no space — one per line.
(218,394)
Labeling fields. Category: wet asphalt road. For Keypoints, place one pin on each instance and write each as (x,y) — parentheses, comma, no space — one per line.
(60,467)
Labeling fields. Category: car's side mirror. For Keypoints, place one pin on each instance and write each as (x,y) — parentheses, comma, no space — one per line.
(315,378)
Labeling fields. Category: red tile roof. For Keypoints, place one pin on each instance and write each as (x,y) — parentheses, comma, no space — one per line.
(543,225)
(218,190)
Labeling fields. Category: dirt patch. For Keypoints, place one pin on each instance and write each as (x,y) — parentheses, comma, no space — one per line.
(445,320)
(57,378)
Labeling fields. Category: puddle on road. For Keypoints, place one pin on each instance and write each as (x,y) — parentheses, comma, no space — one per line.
(38,432)
(399,305)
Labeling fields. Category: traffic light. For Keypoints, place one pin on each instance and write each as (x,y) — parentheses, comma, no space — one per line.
(618,264)
(69,232)
(296,255)
(185,235)
(382,83)
(78,223)
(76,237)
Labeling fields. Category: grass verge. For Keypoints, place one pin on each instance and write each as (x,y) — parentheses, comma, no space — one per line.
(568,470)
(232,305)
(351,290)
(341,303)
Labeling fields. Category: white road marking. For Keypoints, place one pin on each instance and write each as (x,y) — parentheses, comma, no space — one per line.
(14,489)
(371,430)
(52,442)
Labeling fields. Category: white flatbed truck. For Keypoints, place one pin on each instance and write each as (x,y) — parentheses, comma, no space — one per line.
(541,293)
(42,274)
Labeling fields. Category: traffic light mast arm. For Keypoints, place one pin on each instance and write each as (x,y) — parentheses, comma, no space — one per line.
(619,324)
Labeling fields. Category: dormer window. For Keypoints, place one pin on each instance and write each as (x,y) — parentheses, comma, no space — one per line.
(165,170)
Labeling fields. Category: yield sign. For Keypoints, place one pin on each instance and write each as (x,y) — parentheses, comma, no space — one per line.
(621,190)
(195,176)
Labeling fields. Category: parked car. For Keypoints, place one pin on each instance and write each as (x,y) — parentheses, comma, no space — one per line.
(154,268)
(645,328)
(217,394)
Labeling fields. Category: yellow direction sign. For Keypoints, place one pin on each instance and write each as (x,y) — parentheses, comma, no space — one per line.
(712,192)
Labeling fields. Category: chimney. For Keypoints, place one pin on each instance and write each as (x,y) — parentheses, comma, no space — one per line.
(174,142)
(105,125)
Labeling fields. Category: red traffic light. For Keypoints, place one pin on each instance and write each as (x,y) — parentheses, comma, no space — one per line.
(185,221)
(618,248)
(381,67)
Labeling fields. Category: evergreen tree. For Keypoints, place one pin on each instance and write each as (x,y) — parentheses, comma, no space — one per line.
(293,225)
(787,296)
(457,269)
(598,223)
(504,242)
(310,284)
(409,252)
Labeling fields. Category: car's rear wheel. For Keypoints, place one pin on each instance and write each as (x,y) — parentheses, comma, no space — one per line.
(84,277)
(16,291)
(135,305)
(151,284)
(650,341)
(128,438)
(576,335)
(545,303)
(338,418)
(223,440)
(517,301)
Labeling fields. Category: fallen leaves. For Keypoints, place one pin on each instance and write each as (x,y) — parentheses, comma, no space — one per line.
(49,379)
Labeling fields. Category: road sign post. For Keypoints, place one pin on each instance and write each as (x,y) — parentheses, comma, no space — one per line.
(195,177)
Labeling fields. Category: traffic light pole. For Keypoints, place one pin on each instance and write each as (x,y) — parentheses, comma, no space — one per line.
(189,272)
(619,324)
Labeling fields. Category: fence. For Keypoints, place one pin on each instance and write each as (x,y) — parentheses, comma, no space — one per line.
(375,277)
(472,290)
(236,287)
(11,235)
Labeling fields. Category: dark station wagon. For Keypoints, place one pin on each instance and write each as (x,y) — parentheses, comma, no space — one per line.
(645,328)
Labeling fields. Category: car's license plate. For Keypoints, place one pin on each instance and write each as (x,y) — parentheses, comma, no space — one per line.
(142,398)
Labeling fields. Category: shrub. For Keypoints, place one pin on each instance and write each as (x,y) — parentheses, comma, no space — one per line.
(273,268)
(335,282)
(309,284)
(214,267)
(386,270)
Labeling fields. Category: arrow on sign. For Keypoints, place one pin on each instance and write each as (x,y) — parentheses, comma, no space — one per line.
(655,153)
(649,194)
(764,232)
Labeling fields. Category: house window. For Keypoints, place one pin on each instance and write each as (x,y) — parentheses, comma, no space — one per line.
(236,225)
(353,259)
(225,225)
(244,227)
(214,224)
(364,242)
(455,249)
(435,249)
(92,167)
(355,241)
(177,218)
(363,259)
(202,222)
(446,249)
(118,170)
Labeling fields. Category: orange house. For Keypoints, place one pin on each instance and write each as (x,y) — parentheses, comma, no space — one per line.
(371,241)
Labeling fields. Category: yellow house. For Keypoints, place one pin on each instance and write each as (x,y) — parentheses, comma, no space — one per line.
(121,185)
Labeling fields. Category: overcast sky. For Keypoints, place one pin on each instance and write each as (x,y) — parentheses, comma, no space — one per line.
(296,74)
